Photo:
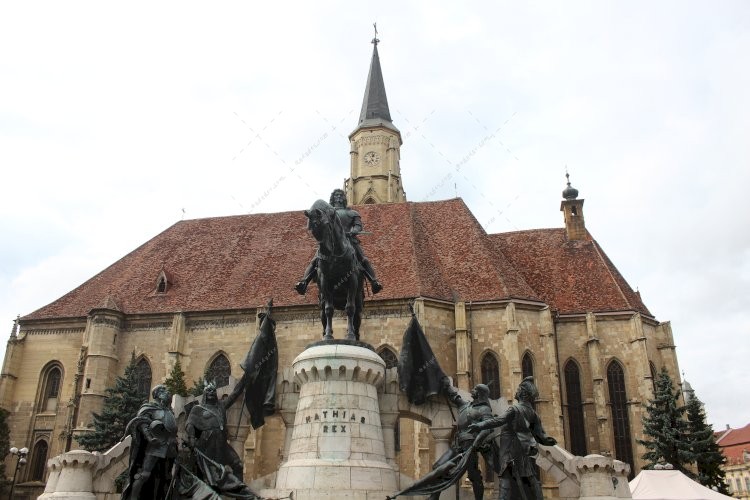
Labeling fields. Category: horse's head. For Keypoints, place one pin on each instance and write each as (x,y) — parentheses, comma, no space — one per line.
(320,220)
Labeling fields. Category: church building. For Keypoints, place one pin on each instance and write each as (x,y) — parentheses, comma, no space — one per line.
(495,308)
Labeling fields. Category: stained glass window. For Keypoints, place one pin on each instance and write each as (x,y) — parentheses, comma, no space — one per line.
(527,366)
(620,421)
(391,361)
(143,377)
(491,374)
(38,461)
(219,371)
(576,427)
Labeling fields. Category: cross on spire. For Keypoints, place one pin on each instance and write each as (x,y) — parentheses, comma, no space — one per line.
(375,40)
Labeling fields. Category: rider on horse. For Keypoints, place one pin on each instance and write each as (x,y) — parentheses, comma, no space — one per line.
(352,223)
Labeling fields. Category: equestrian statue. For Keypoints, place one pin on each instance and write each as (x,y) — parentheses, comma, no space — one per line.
(340,266)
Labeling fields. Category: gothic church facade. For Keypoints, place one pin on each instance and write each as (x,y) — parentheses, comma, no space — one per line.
(495,307)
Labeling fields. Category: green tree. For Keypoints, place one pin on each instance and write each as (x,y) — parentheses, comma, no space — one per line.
(176,380)
(199,385)
(708,457)
(120,405)
(4,445)
(666,429)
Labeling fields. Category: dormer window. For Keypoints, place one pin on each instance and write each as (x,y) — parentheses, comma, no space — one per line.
(163,282)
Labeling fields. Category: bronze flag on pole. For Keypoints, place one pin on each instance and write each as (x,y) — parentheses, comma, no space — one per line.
(261,365)
(419,372)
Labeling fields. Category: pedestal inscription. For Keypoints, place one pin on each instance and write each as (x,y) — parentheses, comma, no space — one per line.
(337,448)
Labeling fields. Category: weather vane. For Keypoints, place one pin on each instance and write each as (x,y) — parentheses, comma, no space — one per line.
(375,40)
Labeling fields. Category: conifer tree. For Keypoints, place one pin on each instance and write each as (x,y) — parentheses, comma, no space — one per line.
(666,429)
(199,385)
(4,445)
(176,380)
(708,457)
(120,405)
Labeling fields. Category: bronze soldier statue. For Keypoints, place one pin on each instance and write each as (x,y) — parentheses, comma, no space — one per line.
(469,413)
(517,443)
(462,456)
(207,428)
(352,223)
(153,448)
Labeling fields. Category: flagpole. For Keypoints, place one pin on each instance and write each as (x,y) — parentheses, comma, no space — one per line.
(239,420)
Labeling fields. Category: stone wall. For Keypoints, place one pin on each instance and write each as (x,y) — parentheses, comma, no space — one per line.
(507,329)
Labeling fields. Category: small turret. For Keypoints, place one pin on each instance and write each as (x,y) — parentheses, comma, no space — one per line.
(572,209)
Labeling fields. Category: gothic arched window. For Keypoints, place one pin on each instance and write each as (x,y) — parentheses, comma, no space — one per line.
(527,365)
(143,377)
(390,358)
(38,461)
(618,401)
(491,374)
(51,384)
(527,369)
(576,428)
(219,371)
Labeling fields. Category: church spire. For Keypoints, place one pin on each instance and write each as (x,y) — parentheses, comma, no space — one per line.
(375,145)
(375,110)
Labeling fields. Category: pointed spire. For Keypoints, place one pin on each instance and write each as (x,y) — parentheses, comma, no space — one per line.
(375,103)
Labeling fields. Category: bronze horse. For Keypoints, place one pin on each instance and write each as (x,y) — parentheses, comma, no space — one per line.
(339,278)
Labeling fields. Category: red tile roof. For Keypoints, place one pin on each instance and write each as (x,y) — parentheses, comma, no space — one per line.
(570,276)
(432,249)
(734,442)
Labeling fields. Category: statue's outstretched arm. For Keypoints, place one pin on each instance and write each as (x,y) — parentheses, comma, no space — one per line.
(451,394)
(493,422)
(541,437)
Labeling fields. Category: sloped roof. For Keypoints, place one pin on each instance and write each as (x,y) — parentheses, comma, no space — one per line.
(433,249)
(570,276)
(734,442)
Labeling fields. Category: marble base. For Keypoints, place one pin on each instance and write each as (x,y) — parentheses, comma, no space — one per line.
(337,448)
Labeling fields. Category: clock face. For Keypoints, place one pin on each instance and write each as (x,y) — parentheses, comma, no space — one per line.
(371,158)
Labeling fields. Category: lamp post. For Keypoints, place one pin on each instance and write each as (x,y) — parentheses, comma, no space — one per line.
(22,453)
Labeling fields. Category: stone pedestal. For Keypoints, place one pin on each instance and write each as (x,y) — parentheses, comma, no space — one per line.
(337,449)
(602,478)
(71,476)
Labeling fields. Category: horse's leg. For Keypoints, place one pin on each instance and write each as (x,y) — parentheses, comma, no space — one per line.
(351,298)
(322,304)
(359,307)
(326,313)
(329,320)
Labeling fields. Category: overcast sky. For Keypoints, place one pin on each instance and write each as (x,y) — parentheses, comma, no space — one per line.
(115,123)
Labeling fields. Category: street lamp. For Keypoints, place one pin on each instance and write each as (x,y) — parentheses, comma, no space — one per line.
(22,453)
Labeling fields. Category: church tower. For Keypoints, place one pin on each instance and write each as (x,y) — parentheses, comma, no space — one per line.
(572,209)
(375,146)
